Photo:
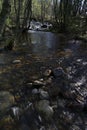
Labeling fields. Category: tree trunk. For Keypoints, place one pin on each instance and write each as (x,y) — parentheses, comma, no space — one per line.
(27,14)
(4,14)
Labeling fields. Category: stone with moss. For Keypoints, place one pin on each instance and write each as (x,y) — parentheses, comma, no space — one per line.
(6,101)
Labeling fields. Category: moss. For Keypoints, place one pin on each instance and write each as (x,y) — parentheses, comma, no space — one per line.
(7,123)
(9,44)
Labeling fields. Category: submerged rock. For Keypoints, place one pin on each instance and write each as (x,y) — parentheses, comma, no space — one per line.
(6,100)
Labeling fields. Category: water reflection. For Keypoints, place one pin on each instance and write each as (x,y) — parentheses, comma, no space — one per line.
(44,42)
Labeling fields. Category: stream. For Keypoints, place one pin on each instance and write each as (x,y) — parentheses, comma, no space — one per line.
(43,84)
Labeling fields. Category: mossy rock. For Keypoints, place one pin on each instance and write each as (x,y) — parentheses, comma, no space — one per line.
(7,123)
(6,101)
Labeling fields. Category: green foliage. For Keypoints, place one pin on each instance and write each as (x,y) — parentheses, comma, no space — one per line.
(1,5)
(66,15)
(41,8)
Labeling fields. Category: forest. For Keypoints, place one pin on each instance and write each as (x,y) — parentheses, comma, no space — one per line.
(43,64)
(65,16)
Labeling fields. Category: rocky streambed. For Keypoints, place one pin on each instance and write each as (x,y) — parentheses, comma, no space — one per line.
(52,97)
(43,92)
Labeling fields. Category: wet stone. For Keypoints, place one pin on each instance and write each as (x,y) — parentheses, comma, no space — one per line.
(59,87)
(45,109)
(47,72)
(75,106)
(41,79)
(35,91)
(42,128)
(15,112)
(24,44)
(61,103)
(49,80)
(24,127)
(38,84)
(58,72)
(75,127)
(7,123)
(80,99)
(43,94)
(53,91)
(30,119)
(68,93)
(16,61)
(6,100)
(67,116)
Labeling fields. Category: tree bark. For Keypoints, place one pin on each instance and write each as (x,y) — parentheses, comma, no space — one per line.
(4,14)
(27,13)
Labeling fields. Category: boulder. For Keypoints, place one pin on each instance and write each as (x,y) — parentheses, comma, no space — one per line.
(58,72)
(6,101)
(45,109)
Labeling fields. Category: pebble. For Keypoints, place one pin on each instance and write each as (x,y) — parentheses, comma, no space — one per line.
(16,61)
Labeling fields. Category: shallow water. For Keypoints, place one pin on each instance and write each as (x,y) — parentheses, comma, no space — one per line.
(40,51)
